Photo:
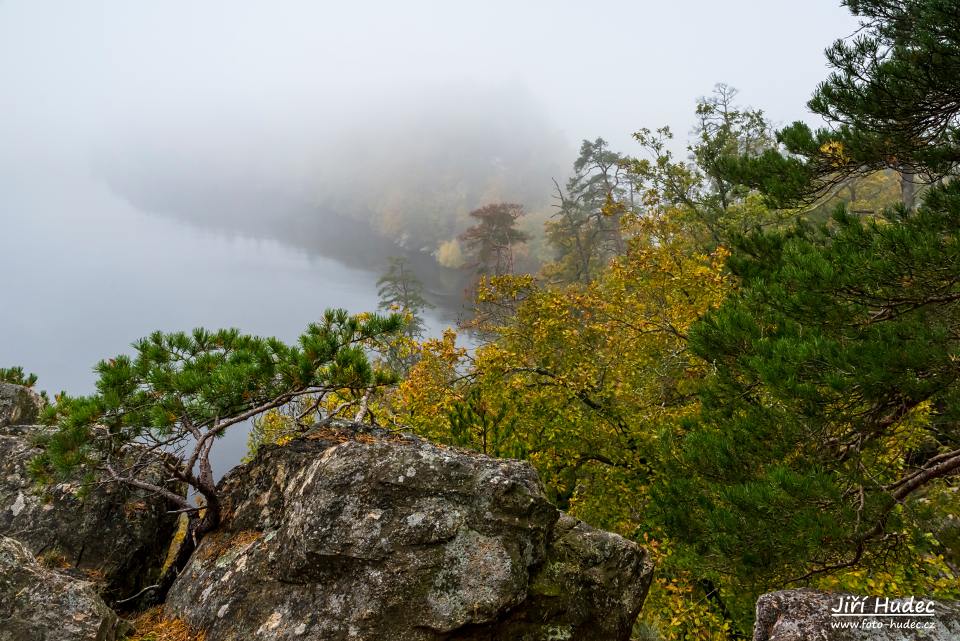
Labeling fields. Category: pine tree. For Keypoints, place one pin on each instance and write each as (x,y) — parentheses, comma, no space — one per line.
(828,442)
(891,102)
(400,291)
(180,392)
(491,241)
(894,90)
(835,400)
(586,231)
(17,376)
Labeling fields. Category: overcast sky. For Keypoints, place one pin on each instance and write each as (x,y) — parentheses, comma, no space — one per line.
(71,71)
(276,111)
(204,98)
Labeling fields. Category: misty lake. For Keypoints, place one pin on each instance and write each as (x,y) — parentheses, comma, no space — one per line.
(86,273)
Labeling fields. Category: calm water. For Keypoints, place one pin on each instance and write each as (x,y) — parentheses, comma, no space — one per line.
(84,274)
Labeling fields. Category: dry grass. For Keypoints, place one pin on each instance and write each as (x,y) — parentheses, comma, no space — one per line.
(54,559)
(152,626)
(342,435)
(327,434)
(96,575)
(216,544)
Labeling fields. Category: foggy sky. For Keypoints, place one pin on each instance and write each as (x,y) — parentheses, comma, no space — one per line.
(126,124)
(237,110)
(73,73)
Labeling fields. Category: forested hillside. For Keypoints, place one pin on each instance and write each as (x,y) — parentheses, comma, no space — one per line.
(746,359)
(744,356)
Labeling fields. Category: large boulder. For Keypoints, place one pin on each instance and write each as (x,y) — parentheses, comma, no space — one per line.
(39,604)
(19,405)
(354,533)
(116,536)
(809,615)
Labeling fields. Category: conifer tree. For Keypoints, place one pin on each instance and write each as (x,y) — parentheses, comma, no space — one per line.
(180,392)
(586,231)
(400,291)
(834,400)
(829,427)
(17,376)
(891,102)
(490,242)
(828,438)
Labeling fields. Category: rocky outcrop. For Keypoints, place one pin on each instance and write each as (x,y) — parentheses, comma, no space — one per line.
(809,615)
(39,604)
(356,533)
(18,405)
(112,535)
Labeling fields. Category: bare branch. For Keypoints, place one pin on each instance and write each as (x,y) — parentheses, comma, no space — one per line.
(150,487)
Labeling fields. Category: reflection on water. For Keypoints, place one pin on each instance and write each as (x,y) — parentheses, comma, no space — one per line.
(85,274)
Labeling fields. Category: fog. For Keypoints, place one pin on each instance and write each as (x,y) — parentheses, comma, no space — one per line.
(175,164)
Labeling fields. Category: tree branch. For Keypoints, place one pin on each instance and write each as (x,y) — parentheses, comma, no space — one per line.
(150,487)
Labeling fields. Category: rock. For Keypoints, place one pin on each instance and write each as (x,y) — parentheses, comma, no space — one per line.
(39,604)
(112,535)
(807,615)
(18,405)
(354,533)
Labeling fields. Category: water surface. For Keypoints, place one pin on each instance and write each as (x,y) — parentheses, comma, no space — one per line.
(85,273)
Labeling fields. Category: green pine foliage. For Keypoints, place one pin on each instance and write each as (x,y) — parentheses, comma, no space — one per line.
(890,102)
(485,426)
(834,402)
(827,447)
(894,89)
(17,376)
(400,291)
(180,391)
(490,242)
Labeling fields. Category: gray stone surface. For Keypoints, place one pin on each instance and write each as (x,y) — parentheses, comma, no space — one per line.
(40,604)
(354,533)
(805,615)
(112,535)
(18,405)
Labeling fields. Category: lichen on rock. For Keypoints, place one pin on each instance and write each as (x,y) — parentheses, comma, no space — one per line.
(113,535)
(357,533)
(40,604)
(19,405)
